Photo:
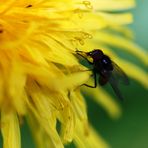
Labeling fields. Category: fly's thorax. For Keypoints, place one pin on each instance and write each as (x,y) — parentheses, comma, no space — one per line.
(106,63)
(103,65)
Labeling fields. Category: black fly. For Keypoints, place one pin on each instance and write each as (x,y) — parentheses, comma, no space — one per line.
(107,70)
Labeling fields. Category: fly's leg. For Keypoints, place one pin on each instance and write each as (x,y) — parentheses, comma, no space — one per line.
(95,81)
(95,85)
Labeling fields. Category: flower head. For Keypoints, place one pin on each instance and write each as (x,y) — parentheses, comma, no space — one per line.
(40,73)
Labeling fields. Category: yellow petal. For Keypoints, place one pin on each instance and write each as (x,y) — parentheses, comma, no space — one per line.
(1,90)
(46,118)
(90,21)
(110,5)
(42,140)
(67,124)
(79,105)
(49,50)
(123,18)
(16,84)
(123,30)
(33,54)
(74,80)
(10,129)
(6,6)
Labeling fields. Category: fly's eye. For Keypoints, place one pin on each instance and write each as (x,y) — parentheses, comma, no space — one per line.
(90,54)
(94,52)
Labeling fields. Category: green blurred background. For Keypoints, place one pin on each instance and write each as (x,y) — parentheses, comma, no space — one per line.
(131,130)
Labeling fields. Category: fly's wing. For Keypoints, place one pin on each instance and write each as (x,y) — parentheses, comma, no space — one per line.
(116,77)
(114,84)
(103,80)
(119,74)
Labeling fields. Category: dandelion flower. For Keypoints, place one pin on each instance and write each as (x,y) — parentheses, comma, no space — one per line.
(39,72)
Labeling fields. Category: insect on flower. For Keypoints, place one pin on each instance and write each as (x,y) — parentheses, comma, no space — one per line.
(106,69)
